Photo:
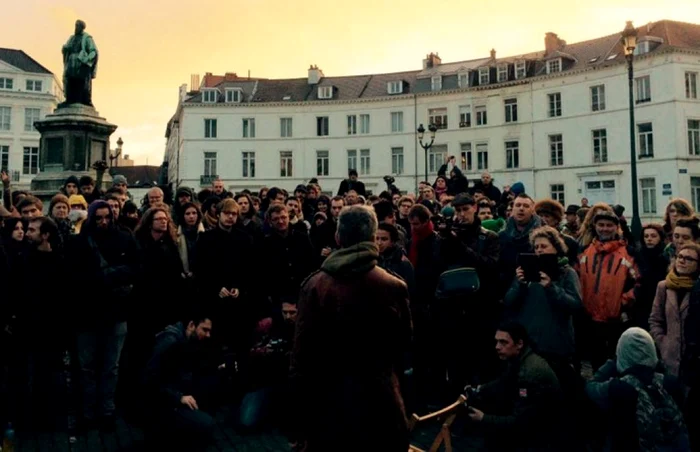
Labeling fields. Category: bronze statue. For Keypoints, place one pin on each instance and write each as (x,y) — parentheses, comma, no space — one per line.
(79,66)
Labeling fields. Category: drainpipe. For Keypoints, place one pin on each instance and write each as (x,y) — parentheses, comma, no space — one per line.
(415,141)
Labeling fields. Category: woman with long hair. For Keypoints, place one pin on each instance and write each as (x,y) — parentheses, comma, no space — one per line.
(676,208)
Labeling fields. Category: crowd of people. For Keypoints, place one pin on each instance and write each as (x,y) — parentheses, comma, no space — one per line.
(333,317)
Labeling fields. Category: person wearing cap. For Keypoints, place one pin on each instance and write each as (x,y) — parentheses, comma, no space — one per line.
(571,226)
(617,387)
(609,276)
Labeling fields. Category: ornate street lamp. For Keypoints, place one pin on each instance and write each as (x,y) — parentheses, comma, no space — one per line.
(426,146)
(629,42)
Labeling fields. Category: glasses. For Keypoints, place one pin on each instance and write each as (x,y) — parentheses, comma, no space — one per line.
(684,258)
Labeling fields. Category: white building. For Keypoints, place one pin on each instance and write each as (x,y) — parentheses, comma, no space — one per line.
(556,119)
(28,92)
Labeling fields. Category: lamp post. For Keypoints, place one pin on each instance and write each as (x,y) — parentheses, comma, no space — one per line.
(426,146)
(629,42)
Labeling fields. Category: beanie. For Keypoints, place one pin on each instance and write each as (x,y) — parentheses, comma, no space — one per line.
(71,180)
(636,348)
(77,199)
(517,188)
(119,179)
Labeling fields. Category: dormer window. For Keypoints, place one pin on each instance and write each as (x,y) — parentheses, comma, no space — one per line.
(554,66)
(234,95)
(436,82)
(642,48)
(463,79)
(484,75)
(325,92)
(210,96)
(502,73)
(395,87)
(520,69)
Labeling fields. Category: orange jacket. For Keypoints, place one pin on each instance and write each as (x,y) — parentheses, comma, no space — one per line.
(608,277)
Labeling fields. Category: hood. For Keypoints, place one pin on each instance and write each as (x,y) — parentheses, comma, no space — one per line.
(636,348)
(512,230)
(177,330)
(90,226)
(357,259)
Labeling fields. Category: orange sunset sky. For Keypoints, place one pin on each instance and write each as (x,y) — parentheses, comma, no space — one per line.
(149,47)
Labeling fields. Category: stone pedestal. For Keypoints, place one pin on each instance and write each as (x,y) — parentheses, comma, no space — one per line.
(73,138)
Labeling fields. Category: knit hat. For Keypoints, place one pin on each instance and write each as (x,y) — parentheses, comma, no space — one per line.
(550,207)
(77,199)
(318,215)
(636,348)
(571,209)
(517,188)
(301,188)
(496,225)
(119,179)
(183,191)
(448,212)
(606,215)
(71,180)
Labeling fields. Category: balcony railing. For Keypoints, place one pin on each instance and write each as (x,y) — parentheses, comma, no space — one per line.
(207,179)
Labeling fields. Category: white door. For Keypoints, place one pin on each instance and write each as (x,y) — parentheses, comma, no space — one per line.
(600,191)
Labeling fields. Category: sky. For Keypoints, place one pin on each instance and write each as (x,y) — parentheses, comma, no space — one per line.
(149,48)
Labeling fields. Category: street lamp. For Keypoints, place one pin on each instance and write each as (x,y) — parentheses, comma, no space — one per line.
(629,42)
(426,146)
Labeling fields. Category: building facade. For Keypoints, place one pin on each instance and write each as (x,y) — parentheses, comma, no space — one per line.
(28,92)
(556,120)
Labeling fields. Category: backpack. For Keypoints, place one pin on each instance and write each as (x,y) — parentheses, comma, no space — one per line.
(660,424)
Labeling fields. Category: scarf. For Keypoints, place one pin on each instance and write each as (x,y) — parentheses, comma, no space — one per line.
(356,259)
(419,236)
(676,282)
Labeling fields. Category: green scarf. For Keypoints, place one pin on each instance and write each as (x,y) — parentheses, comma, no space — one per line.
(677,282)
(356,259)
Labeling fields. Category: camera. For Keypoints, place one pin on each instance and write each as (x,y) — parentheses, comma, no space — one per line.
(443,224)
(390,184)
(389,180)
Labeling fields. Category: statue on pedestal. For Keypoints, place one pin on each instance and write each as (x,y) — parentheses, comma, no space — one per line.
(79,67)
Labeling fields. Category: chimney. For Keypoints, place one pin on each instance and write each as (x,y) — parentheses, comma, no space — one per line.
(315,75)
(552,43)
(182,93)
(432,60)
(493,54)
(230,76)
(194,82)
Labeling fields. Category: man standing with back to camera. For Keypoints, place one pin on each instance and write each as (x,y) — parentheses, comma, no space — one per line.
(353,328)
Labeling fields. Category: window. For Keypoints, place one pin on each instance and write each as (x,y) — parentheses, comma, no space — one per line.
(210,96)
(554,104)
(31,115)
(694,137)
(646,140)
(598,98)
(286,164)
(438,117)
(466,156)
(503,73)
(364,124)
(364,162)
(397,161)
(396,121)
(556,150)
(481,119)
(436,82)
(520,69)
(5,83)
(482,156)
(34,85)
(691,85)
(463,79)
(248,163)
(465,116)
(394,87)
(210,128)
(5,118)
(31,160)
(322,126)
(600,146)
(352,125)
(695,192)
(352,159)
(643,89)
(484,75)
(325,92)
(286,127)
(234,95)
(557,193)
(511,106)
(648,186)
(554,66)
(210,164)
(5,158)
(322,163)
(512,154)
(248,127)
(436,157)
(642,48)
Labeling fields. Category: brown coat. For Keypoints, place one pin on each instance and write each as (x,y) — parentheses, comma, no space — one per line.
(666,322)
(353,328)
